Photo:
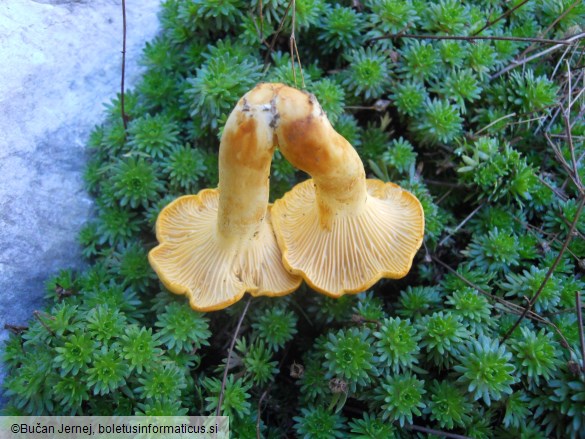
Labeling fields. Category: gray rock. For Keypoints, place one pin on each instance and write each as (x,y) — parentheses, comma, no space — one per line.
(61,61)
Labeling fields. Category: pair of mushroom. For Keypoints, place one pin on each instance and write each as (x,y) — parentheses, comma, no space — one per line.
(338,231)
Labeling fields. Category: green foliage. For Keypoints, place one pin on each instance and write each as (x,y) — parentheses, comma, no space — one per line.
(182,329)
(401,397)
(448,405)
(341,27)
(409,97)
(400,155)
(139,346)
(256,359)
(486,370)
(442,335)
(275,326)
(447,16)
(494,251)
(536,354)
(367,73)
(108,372)
(417,301)
(397,344)
(349,356)
(437,117)
(235,397)
(439,121)
(420,60)
(500,172)
(185,166)
(215,89)
(331,97)
(153,135)
(316,422)
(371,427)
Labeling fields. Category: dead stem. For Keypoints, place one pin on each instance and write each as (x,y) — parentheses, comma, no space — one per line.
(231,349)
(293,45)
(550,26)
(550,271)
(261,13)
(37,315)
(580,324)
(461,224)
(507,116)
(504,15)
(122,109)
(278,31)
(568,41)
(511,307)
(435,432)
(265,394)
(472,39)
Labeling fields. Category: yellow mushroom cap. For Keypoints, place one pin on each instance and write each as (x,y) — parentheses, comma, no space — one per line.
(357,250)
(191,260)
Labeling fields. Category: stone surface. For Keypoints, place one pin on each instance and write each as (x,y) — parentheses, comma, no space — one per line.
(60,61)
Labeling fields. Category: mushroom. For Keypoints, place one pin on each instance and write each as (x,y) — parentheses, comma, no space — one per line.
(340,231)
(219,244)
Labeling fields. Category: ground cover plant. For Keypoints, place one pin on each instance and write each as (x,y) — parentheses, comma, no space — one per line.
(482,339)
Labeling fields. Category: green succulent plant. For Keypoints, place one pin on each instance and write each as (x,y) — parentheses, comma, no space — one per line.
(486,133)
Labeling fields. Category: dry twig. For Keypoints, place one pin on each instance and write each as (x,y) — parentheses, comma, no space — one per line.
(550,271)
(568,41)
(275,37)
(122,109)
(580,323)
(501,17)
(432,431)
(472,39)
(511,307)
(550,26)
(231,349)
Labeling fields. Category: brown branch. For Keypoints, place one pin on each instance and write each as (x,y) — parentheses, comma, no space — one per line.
(555,190)
(293,45)
(265,394)
(15,329)
(278,31)
(231,349)
(504,15)
(471,39)
(568,41)
(574,177)
(550,271)
(435,432)
(547,30)
(37,315)
(62,292)
(572,172)
(507,116)
(260,6)
(461,224)
(580,324)
(259,32)
(122,109)
(512,307)
(446,184)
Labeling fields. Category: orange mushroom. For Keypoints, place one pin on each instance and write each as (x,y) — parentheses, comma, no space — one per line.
(338,230)
(219,244)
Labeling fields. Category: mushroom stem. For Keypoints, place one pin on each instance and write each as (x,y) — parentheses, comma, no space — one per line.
(309,142)
(219,244)
(245,155)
